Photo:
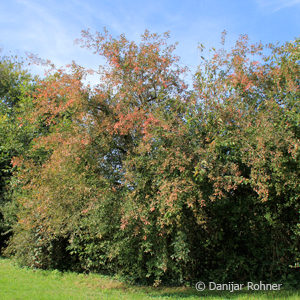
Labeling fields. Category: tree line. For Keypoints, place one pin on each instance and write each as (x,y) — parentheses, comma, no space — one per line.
(147,178)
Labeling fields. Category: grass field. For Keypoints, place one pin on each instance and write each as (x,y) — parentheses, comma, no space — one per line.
(23,283)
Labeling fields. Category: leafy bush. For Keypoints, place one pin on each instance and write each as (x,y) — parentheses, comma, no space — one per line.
(147,179)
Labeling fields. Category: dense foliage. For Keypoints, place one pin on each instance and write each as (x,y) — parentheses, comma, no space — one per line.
(143,177)
(16,85)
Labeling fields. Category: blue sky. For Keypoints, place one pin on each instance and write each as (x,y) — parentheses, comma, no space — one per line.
(49,27)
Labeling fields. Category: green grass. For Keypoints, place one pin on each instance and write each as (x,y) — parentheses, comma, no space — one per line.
(24,283)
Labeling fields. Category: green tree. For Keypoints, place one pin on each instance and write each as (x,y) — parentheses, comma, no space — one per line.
(16,84)
(144,178)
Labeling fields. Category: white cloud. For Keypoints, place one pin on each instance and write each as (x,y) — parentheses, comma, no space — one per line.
(46,29)
(42,30)
(276,5)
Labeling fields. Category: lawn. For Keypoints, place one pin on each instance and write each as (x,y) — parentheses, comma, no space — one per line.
(24,283)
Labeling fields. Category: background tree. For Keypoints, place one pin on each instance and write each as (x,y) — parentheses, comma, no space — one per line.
(16,84)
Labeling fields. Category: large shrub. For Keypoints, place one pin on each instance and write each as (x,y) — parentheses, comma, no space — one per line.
(142,177)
